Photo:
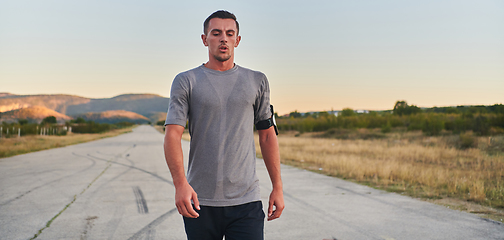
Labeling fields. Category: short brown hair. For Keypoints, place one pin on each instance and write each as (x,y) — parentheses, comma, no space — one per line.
(220,14)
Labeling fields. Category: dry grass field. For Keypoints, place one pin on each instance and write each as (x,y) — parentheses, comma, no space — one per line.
(14,146)
(429,168)
(407,163)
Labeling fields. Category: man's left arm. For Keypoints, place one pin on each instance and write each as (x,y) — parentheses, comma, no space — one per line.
(271,155)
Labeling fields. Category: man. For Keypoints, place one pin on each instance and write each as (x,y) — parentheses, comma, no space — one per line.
(222,101)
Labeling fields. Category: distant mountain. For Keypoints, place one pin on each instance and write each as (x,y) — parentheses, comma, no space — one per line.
(114,116)
(143,104)
(58,102)
(147,105)
(33,114)
(4,94)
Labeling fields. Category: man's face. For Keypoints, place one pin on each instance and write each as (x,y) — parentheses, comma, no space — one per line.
(221,39)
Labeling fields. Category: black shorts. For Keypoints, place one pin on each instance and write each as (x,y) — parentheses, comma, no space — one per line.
(241,222)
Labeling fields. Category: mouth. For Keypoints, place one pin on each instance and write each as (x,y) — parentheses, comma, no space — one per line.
(223,48)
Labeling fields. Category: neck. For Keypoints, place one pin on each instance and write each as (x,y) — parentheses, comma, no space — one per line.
(218,65)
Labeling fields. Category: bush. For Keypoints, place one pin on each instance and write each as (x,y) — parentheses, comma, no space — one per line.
(387,128)
(495,145)
(49,120)
(432,125)
(62,133)
(22,121)
(481,125)
(124,124)
(496,131)
(431,121)
(467,140)
(348,112)
(91,127)
(340,133)
(80,120)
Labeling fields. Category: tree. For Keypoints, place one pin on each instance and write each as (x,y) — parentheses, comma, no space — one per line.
(49,120)
(402,108)
(295,114)
(413,110)
(347,112)
(22,121)
(80,120)
(323,114)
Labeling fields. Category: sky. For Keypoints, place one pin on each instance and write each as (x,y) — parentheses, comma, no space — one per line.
(318,55)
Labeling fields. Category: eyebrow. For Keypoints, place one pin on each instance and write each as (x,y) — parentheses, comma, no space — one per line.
(218,30)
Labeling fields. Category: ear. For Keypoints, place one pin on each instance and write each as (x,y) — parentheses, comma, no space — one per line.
(238,39)
(204,39)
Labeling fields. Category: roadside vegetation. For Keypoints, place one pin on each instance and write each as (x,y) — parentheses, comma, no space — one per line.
(452,156)
(481,120)
(25,137)
(405,162)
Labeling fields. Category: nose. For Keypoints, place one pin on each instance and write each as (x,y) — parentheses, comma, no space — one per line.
(223,38)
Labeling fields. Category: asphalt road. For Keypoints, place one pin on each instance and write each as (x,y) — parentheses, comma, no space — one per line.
(120,188)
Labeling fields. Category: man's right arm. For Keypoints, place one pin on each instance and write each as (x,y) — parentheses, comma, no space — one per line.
(184,193)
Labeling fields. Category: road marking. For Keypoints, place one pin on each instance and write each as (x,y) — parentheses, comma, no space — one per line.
(140,200)
(48,224)
(147,231)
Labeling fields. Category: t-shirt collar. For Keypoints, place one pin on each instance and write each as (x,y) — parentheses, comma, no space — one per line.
(232,70)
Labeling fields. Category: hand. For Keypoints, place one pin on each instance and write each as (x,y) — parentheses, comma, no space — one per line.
(276,199)
(183,196)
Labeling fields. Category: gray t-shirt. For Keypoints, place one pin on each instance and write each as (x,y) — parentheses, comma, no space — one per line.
(222,108)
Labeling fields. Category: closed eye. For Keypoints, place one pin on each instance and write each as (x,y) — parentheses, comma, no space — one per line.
(216,32)
(230,33)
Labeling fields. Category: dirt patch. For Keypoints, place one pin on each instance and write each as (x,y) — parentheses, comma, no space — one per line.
(89,224)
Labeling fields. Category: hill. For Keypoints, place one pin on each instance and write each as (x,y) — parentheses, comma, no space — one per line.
(114,116)
(4,94)
(33,114)
(147,105)
(57,102)
(143,104)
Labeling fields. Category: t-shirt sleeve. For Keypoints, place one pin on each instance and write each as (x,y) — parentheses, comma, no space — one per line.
(178,109)
(262,109)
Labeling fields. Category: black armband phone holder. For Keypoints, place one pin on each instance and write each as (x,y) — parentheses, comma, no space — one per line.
(265,124)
